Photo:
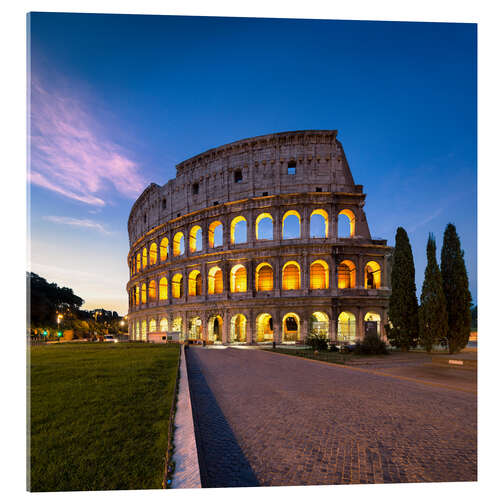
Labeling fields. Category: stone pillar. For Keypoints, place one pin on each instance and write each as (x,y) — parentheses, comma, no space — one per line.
(249,326)
(277,235)
(304,224)
(226,319)
(334,223)
(250,266)
(360,275)
(305,280)
(277,330)
(304,327)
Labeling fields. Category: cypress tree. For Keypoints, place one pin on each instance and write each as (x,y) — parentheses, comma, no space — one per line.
(403,306)
(456,290)
(433,321)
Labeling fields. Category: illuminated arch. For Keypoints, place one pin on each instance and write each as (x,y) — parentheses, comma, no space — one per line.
(194,283)
(177,286)
(195,239)
(264,277)
(178,244)
(264,328)
(215,234)
(373,275)
(318,227)
(137,330)
(373,316)
(195,328)
(177,324)
(291,327)
(291,276)
(153,254)
(264,227)
(290,229)
(346,327)
(152,325)
(143,293)
(238,278)
(164,249)
(152,290)
(164,325)
(137,295)
(144,257)
(238,230)
(138,261)
(215,328)
(319,324)
(144,330)
(215,283)
(163,288)
(352,222)
(346,273)
(319,275)
(238,329)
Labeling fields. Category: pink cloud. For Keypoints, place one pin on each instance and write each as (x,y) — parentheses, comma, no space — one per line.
(70,156)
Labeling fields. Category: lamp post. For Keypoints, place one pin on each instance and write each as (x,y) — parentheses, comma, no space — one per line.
(59,318)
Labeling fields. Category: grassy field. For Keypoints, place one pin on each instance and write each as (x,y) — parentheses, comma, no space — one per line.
(99,415)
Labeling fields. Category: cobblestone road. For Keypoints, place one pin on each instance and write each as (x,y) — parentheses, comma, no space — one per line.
(270,419)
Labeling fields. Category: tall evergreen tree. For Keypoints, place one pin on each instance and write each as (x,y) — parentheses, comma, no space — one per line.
(433,320)
(456,290)
(403,305)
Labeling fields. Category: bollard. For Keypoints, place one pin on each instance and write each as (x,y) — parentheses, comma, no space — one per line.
(274,345)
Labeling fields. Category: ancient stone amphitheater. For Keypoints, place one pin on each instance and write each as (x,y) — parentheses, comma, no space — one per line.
(261,240)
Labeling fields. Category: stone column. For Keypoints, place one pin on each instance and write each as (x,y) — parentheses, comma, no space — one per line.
(277,235)
(304,224)
(250,266)
(226,319)
(277,330)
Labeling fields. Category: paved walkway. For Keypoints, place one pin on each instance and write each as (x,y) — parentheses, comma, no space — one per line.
(262,418)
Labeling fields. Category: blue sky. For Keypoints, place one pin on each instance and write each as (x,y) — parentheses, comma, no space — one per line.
(118,100)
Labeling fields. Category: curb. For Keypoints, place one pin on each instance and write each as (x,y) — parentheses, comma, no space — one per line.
(187,469)
(377,372)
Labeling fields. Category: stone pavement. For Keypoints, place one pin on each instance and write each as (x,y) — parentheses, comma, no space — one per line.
(269,419)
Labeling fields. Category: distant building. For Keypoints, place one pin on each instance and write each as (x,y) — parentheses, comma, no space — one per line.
(243,246)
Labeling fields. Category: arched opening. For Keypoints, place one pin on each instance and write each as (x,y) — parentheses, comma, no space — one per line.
(346,273)
(264,277)
(215,234)
(164,325)
(291,327)
(153,254)
(152,290)
(138,261)
(137,297)
(195,329)
(319,324)
(195,239)
(164,249)
(346,223)
(318,227)
(373,275)
(264,328)
(194,283)
(215,329)
(291,225)
(215,282)
(177,327)
(144,257)
(143,293)
(346,328)
(264,227)
(319,274)
(177,286)
(178,247)
(163,288)
(291,276)
(238,329)
(238,279)
(372,323)
(238,230)
(144,330)
(152,325)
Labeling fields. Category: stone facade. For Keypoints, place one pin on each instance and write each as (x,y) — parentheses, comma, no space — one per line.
(250,286)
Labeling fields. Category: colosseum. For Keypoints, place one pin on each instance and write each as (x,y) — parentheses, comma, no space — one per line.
(260,240)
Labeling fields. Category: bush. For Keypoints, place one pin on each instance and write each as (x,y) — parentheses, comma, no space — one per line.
(317,342)
(371,344)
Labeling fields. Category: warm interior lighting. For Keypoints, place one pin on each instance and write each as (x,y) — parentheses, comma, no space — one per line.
(264,277)
(177,286)
(164,249)
(372,316)
(264,227)
(318,324)
(152,325)
(318,227)
(194,283)
(178,245)
(291,327)
(238,279)
(264,328)
(215,234)
(163,288)
(352,222)
(152,290)
(238,328)
(291,276)
(195,239)
(144,257)
(215,328)
(153,254)
(319,275)
(143,293)
(346,329)
(138,261)
(290,227)
(346,273)
(164,325)
(373,275)
(215,284)
(238,230)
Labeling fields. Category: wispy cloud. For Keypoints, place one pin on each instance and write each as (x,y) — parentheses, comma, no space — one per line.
(70,221)
(69,154)
(425,221)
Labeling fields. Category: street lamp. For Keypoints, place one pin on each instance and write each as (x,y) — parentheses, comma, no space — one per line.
(59,318)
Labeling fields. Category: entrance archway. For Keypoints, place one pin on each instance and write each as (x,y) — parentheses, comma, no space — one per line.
(238,329)
(195,329)
(319,324)
(215,329)
(264,328)
(291,327)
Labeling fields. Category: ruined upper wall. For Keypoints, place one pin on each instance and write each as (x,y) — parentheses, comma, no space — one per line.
(244,169)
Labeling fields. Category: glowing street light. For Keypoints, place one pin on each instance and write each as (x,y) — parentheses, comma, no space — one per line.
(59,318)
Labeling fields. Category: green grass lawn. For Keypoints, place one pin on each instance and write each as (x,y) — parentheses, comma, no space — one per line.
(99,415)
(329,356)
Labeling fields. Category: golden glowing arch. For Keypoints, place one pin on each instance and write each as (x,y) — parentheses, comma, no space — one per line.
(352,220)
(264,277)
(319,275)
(164,249)
(238,328)
(373,316)
(238,278)
(238,220)
(263,217)
(178,244)
(137,295)
(143,293)
(195,240)
(215,281)
(152,290)
(163,288)
(215,328)
(291,275)
(373,274)
(346,274)
(177,286)
(144,257)
(346,326)
(152,325)
(264,328)
(212,235)
(153,254)
(164,325)
(291,327)
(194,283)
(290,213)
(324,215)
(138,261)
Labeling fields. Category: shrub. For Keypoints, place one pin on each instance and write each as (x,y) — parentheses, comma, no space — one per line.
(371,344)
(317,342)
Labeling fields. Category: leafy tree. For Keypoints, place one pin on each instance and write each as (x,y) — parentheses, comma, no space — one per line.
(433,321)
(473,318)
(403,306)
(456,290)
